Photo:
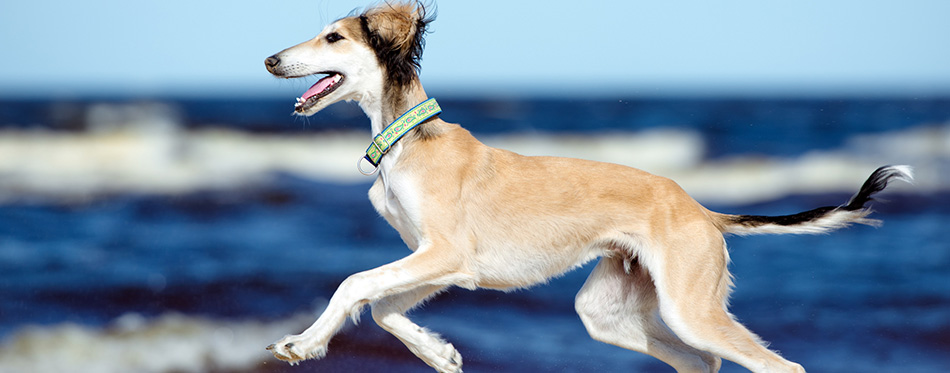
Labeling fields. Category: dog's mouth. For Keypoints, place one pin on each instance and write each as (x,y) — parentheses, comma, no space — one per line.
(318,90)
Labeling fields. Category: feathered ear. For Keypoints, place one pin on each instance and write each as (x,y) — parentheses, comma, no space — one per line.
(396,32)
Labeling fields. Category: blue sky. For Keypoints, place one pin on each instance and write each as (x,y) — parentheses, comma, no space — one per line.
(553,47)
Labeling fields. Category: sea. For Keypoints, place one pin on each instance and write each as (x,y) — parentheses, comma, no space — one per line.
(183,234)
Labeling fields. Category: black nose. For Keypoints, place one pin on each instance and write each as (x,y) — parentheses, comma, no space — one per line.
(272,61)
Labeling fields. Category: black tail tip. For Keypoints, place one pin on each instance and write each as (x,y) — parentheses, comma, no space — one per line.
(877,182)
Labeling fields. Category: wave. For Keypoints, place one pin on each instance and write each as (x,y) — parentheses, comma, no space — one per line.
(133,343)
(161,158)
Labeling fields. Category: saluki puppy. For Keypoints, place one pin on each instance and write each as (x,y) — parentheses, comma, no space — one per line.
(479,217)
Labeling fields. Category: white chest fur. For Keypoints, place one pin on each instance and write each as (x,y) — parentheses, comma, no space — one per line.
(396,198)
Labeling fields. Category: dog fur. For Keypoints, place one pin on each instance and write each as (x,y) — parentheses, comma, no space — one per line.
(479,217)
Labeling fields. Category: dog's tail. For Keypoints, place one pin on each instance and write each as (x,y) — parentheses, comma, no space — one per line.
(822,219)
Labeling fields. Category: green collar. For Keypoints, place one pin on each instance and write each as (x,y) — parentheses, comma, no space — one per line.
(396,130)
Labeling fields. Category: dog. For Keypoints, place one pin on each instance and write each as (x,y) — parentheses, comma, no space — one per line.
(479,217)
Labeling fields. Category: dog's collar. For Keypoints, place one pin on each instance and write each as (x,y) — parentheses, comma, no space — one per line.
(395,131)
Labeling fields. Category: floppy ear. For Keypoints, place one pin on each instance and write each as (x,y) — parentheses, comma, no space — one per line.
(395,32)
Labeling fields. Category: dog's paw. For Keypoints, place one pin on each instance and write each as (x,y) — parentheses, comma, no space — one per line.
(295,348)
(452,362)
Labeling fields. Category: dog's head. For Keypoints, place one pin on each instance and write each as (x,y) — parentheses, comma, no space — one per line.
(360,56)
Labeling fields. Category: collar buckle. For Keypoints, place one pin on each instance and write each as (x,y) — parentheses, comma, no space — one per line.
(381,144)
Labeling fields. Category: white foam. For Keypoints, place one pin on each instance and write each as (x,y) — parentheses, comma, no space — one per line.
(142,159)
(132,343)
(84,164)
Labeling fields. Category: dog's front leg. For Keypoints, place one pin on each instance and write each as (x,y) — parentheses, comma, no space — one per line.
(389,313)
(426,266)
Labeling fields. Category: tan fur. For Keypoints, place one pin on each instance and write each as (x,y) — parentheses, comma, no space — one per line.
(479,217)
(395,21)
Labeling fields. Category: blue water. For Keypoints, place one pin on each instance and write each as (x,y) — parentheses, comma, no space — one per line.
(860,299)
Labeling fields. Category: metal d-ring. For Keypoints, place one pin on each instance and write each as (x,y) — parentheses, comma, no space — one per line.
(359,166)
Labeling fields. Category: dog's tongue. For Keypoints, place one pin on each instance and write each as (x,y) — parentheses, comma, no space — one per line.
(320,86)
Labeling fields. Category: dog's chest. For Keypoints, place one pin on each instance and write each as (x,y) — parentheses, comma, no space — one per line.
(397,200)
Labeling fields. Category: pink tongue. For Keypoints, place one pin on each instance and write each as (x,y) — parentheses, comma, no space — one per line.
(319,86)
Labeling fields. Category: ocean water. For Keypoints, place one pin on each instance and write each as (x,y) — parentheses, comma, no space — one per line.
(185,235)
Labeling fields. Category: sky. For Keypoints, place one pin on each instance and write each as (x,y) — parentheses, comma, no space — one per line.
(490,47)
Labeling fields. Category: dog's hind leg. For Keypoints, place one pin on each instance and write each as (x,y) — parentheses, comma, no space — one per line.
(389,313)
(693,284)
(620,308)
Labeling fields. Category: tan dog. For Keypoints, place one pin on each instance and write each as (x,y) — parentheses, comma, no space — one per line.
(479,217)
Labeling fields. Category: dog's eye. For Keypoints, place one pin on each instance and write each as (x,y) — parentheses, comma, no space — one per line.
(333,37)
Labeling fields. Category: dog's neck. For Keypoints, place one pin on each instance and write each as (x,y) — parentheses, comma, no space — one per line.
(383,108)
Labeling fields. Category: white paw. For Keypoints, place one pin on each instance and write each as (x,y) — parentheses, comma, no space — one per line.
(452,362)
(295,348)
